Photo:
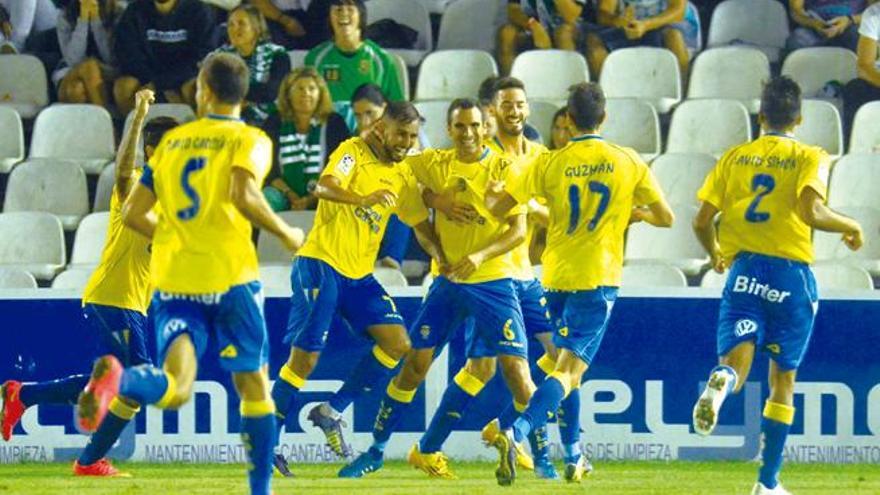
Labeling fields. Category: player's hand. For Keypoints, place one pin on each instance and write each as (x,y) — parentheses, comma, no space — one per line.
(142,101)
(455,211)
(382,197)
(719,264)
(293,239)
(637,215)
(854,239)
(292,26)
(466,266)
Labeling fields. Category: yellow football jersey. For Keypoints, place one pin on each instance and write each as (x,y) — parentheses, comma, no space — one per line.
(756,187)
(122,278)
(347,237)
(203,243)
(590,186)
(440,171)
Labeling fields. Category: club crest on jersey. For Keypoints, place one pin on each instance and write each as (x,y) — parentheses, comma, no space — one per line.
(745,327)
(364,66)
(345,165)
(425,331)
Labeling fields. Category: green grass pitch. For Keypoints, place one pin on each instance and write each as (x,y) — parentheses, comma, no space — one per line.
(642,478)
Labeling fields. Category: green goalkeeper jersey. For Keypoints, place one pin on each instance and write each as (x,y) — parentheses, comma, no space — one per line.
(345,72)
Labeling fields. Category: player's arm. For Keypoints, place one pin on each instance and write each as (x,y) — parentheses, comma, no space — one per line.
(498,201)
(867,54)
(429,241)
(536,247)
(330,188)
(814,212)
(658,214)
(445,203)
(245,194)
(704,228)
(538,214)
(125,161)
(509,239)
(137,211)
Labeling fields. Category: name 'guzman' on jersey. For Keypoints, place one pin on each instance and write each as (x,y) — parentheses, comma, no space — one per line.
(347,237)
(756,186)
(590,186)
(203,243)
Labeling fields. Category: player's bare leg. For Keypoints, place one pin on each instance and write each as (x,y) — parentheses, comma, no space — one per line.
(257,426)
(729,376)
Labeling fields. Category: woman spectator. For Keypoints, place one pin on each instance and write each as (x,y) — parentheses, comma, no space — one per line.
(268,62)
(86,72)
(306,131)
(560,131)
(368,104)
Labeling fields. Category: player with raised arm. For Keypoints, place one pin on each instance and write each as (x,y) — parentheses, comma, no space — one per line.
(771,194)
(362,186)
(205,177)
(593,189)
(115,302)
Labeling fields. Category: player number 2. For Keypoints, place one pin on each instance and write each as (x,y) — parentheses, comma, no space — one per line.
(192,166)
(574,201)
(764,184)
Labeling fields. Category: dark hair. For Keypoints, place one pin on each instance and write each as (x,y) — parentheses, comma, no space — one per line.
(559,113)
(402,112)
(369,92)
(257,19)
(462,104)
(506,83)
(486,93)
(107,11)
(586,105)
(227,76)
(781,102)
(362,13)
(156,128)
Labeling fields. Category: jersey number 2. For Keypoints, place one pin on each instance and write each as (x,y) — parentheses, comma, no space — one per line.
(764,184)
(574,201)
(192,166)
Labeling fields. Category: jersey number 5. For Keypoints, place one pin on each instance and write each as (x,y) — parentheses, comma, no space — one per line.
(192,166)
(574,201)
(764,184)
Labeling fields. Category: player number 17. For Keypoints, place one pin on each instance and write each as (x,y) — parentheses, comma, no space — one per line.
(574,201)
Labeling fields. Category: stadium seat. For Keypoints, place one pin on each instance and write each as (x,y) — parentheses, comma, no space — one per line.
(829,247)
(865,136)
(652,275)
(16,278)
(647,73)
(714,279)
(104,189)
(412,14)
(11,139)
(32,241)
(681,175)
(821,126)
(676,246)
(708,126)
(541,117)
(178,111)
(49,186)
(813,68)
(436,6)
(427,281)
(270,250)
(88,244)
(414,268)
(470,24)
(842,277)
(434,113)
(547,74)
(276,277)
(854,181)
(75,278)
(733,72)
(297,58)
(402,74)
(759,23)
(633,123)
(450,74)
(23,84)
(81,133)
(389,277)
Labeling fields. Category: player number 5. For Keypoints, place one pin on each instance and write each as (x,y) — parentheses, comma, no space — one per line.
(574,201)
(192,166)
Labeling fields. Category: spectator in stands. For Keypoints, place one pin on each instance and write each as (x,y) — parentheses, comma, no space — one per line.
(268,63)
(560,130)
(825,23)
(6,46)
(867,86)
(348,60)
(288,20)
(27,18)
(85,29)
(306,131)
(368,104)
(485,96)
(531,23)
(158,45)
(625,23)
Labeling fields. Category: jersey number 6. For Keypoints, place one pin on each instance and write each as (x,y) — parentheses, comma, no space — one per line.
(764,184)
(192,166)
(574,201)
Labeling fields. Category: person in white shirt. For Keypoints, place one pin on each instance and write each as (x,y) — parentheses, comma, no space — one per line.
(866,87)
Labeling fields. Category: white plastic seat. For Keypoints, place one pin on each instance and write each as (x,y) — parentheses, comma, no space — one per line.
(865,136)
(676,246)
(829,247)
(389,277)
(402,73)
(547,74)
(412,14)
(633,123)
(708,126)
(470,24)
(732,72)
(681,175)
(270,250)
(23,84)
(450,74)
(75,278)
(647,73)
(854,182)
(842,277)
(427,281)
(434,113)
(88,244)
(714,279)
(297,58)
(16,278)
(11,138)
(759,23)
(48,186)
(821,126)
(32,241)
(275,277)
(652,275)
(178,111)
(414,268)
(541,117)
(104,189)
(81,133)
(812,68)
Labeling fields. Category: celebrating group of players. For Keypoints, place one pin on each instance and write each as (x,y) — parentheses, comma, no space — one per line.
(183,226)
